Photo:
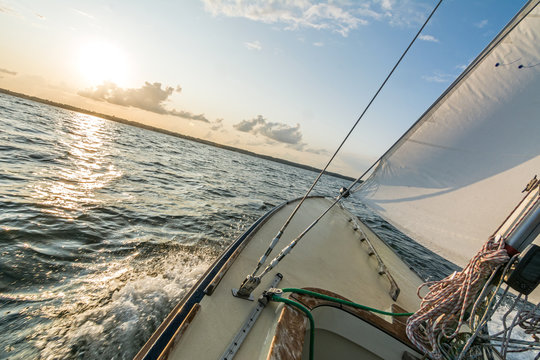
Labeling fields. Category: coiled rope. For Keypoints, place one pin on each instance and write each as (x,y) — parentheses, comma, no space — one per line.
(443,310)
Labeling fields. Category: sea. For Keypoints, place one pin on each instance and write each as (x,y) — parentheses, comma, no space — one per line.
(104,227)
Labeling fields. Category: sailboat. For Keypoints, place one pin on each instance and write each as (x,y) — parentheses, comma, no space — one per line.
(458,181)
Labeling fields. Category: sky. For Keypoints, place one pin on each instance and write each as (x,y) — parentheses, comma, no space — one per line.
(285,78)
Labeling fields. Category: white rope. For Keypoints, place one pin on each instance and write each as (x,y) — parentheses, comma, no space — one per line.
(443,309)
(477,321)
(528,319)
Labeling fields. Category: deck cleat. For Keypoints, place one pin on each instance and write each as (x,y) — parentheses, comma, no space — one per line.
(247,287)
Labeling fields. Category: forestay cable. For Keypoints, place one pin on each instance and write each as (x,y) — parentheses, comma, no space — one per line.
(345,193)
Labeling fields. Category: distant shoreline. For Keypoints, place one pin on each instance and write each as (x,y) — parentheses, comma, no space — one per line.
(171,133)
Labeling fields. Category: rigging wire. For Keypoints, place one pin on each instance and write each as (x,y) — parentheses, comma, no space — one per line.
(479,324)
(345,193)
(444,308)
(472,65)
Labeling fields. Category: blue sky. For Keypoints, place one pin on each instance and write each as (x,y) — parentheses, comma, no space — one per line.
(283,78)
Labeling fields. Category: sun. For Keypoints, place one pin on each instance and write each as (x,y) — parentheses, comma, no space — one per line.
(102,61)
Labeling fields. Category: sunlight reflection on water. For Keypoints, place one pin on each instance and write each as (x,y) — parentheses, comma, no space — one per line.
(105,227)
(83,171)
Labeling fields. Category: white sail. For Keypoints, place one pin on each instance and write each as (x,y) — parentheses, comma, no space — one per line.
(459,171)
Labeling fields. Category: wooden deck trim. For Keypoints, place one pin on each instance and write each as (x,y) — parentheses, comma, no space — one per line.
(209,281)
(179,332)
(288,340)
(162,335)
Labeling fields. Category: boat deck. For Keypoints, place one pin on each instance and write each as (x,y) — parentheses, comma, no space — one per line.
(332,256)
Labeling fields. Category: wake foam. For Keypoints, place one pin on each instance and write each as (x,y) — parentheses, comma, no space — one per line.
(113,313)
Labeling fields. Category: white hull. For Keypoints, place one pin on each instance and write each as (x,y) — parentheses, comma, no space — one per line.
(332,257)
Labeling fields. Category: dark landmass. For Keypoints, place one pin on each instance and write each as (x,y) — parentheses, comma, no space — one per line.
(171,133)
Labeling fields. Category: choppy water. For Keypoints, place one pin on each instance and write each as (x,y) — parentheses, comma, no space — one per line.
(104,227)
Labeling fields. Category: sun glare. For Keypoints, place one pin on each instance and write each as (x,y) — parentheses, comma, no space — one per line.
(101,61)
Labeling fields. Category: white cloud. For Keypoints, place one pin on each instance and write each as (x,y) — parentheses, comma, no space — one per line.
(386,4)
(439,78)
(481,24)
(218,125)
(11,11)
(340,17)
(272,130)
(405,12)
(428,38)
(314,151)
(83,13)
(366,11)
(187,115)
(318,44)
(254,45)
(150,97)
(9,72)
(291,136)
(294,14)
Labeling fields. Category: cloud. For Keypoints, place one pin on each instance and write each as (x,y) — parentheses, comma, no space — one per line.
(405,12)
(188,115)
(85,14)
(150,97)
(293,14)
(318,44)
(276,131)
(255,45)
(6,71)
(282,133)
(22,12)
(439,78)
(10,11)
(481,24)
(217,125)
(314,151)
(249,125)
(291,136)
(428,38)
(386,4)
(340,17)
(364,9)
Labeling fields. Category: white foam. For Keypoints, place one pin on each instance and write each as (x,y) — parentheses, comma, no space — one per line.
(121,308)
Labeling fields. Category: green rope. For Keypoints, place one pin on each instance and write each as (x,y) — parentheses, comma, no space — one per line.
(306,311)
(344,302)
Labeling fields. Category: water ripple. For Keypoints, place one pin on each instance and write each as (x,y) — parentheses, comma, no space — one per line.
(104,227)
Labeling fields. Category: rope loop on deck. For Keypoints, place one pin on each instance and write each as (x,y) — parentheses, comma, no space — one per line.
(444,309)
